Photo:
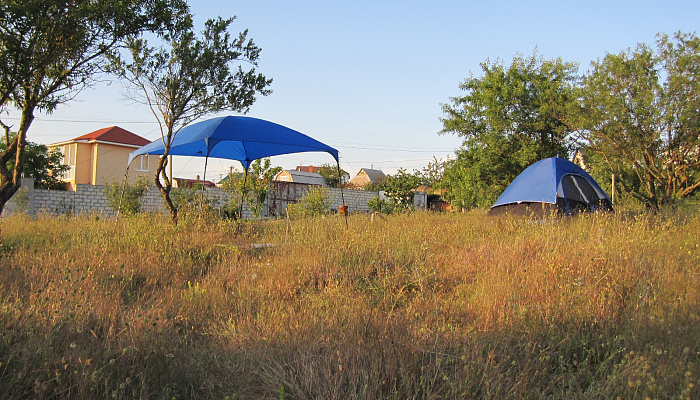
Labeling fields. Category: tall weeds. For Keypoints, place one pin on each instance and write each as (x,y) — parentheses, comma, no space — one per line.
(412,306)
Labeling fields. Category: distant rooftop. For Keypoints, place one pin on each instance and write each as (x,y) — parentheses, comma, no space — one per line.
(310,178)
(114,134)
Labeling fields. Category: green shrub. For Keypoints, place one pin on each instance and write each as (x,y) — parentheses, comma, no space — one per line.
(124,197)
(193,201)
(315,202)
(381,205)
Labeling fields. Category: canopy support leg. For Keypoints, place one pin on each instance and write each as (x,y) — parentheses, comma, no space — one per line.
(245,180)
(204,179)
(121,196)
(342,196)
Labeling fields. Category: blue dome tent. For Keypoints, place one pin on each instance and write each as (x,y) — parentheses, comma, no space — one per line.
(552,186)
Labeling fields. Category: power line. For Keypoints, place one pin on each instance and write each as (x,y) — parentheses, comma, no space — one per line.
(84,121)
(390,147)
(394,150)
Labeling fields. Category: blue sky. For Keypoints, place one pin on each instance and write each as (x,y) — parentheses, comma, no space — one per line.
(369,77)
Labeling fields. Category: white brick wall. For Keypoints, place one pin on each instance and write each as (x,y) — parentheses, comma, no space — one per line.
(91,199)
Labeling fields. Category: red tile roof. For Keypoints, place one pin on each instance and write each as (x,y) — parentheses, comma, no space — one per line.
(115,134)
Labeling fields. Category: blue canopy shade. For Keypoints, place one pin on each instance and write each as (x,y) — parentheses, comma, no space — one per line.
(245,139)
(543,182)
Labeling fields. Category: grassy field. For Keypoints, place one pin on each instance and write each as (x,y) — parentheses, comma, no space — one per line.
(420,306)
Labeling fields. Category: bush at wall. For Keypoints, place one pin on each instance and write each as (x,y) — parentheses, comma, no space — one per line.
(315,202)
(124,197)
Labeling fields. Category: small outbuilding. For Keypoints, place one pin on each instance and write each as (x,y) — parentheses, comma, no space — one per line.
(309,178)
(192,183)
(367,176)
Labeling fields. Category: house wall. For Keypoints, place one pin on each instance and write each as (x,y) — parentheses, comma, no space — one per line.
(87,199)
(134,173)
(112,164)
(83,164)
(361,179)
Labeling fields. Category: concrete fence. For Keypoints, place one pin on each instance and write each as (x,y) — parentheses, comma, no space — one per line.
(91,199)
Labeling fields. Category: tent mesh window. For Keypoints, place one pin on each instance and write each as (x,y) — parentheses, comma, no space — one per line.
(577,195)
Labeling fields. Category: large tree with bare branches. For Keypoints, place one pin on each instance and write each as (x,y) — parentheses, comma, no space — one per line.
(639,111)
(187,77)
(51,50)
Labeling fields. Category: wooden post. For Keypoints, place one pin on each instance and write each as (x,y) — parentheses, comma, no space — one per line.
(613,188)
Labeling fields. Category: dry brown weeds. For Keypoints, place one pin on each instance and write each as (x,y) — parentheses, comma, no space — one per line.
(420,306)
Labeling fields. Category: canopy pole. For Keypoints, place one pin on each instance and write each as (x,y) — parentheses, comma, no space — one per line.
(245,180)
(121,196)
(342,196)
(204,179)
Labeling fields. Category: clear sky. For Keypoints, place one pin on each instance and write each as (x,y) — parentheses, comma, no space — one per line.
(369,77)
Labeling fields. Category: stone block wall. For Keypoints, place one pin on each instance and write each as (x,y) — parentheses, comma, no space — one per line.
(356,200)
(87,199)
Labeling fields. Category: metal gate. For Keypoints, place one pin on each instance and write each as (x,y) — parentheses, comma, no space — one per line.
(283,193)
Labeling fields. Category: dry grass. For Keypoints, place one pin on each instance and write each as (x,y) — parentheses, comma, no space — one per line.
(420,306)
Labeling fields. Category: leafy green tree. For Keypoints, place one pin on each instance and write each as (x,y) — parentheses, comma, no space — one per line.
(470,182)
(432,174)
(399,189)
(509,118)
(381,205)
(232,184)
(43,166)
(188,77)
(51,50)
(193,201)
(375,186)
(255,186)
(639,113)
(331,176)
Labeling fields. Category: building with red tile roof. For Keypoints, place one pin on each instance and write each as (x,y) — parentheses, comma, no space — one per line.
(115,135)
(99,157)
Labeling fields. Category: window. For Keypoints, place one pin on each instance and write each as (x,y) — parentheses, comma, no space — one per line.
(69,158)
(68,152)
(144,163)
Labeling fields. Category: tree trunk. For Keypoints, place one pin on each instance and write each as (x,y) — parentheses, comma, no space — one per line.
(10,181)
(165,190)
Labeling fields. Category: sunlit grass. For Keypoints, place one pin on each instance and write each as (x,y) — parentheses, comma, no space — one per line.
(412,306)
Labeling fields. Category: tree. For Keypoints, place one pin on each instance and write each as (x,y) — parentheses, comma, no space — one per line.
(188,78)
(193,201)
(38,163)
(509,118)
(50,50)
(44,166)
(399,189)
(470,181)
(331,176)
(381,205)
(232,184)
(257,184)
(432,174)
(639,111)
(251,187)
